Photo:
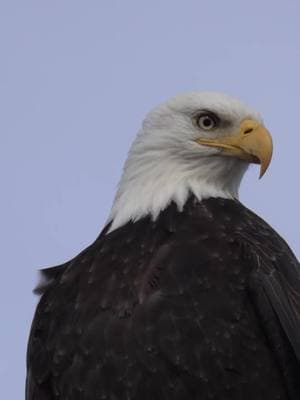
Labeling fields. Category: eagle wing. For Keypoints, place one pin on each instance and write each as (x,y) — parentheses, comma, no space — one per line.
(274,286)
(282,288)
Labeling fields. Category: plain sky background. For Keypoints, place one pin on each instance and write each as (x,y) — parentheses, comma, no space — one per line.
(76,79)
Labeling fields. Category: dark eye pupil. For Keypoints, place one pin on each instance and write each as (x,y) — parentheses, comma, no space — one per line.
(207,121)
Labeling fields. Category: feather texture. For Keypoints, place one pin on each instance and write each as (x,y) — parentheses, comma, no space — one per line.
(201,303)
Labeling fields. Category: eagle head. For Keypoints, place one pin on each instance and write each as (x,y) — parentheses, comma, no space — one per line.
(198,143)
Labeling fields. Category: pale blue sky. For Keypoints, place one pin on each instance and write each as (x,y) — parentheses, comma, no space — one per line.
(76,79)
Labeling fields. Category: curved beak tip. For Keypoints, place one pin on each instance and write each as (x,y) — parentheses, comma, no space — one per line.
(260,144)
(262,172)
(265,161)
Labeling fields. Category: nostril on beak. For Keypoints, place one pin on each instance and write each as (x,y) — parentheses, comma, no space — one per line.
(249,130)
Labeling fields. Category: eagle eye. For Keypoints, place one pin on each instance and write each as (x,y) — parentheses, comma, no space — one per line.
(207,121)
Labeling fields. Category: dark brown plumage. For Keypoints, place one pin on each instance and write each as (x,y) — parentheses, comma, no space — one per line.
(200,304)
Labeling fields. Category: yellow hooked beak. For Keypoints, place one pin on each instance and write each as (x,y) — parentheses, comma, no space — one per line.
(252,142)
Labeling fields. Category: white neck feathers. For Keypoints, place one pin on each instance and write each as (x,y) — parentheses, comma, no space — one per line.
(156,176)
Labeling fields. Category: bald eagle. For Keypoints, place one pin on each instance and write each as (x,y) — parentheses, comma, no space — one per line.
(186,294)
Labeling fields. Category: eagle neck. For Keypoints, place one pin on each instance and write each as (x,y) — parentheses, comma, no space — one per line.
(149,185)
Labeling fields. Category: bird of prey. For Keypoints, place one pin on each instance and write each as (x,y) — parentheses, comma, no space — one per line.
(186,294)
